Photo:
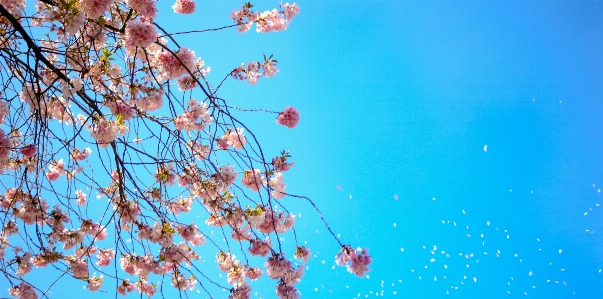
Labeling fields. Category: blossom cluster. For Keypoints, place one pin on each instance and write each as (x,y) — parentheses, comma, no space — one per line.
(254,70)
(356,261)
(267,21)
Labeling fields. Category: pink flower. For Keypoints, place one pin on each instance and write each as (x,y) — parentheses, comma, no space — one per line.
(184,6)
(24,264)
(182,283)
(105,256)
(356,261)
(278,186)
(236,138)
(288,117)
(222,143)
(81,155)
(23,291)
(95,8)
(259,247)
(270,68)
(125,286)
(4,107)
(191,234)
(28,151)
(284,291)
(244,18)
(81,197)
(186,83)
(95,283)
(145,287)
(152,101)
(52,175)
(79,267)
(171,65)
(252,179)
(146,8)
(240,291)
(302,253)
(281,164)
(139,33)
(254,273)
(277,266)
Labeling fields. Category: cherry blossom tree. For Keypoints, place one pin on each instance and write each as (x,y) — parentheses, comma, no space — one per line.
(110,132)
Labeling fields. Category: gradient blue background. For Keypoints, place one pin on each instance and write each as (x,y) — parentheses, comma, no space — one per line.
(399,98)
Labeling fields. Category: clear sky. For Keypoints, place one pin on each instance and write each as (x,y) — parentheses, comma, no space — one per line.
(399,99)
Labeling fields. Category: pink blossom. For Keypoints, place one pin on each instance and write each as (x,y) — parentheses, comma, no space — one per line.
(252,179)
(23,291)
(165,174)
(244,18)
(182,283)
(128,210)
(143,286)
(81,155)
(122,109)
(29,150)
(201,151)
(4,106)
(10,229)
(284,291)
(146,8)
(24,264)
(269,68)
(356,261)
(127,263)
(95,283)
(176,65)
(259,247)
(105,131)
(180,205)
(152,101)
(236,274)
(105,256)
(227,175)
(236,138)
(191,234)
(277,265)
(55,169)
(125,287)
(278,186)
(225,260)
(186,83)
(222,143)
(160,233)
(81,197)
(288,117)
(52,176)
(139,33)
(302,253)
(254,273)
(240,291)
(293,276)
(56,219)
(281,164)
(241,234)
(95,8)
(184,6)
(79,267)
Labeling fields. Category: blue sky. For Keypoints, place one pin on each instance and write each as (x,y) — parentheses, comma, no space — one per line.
(400,98)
